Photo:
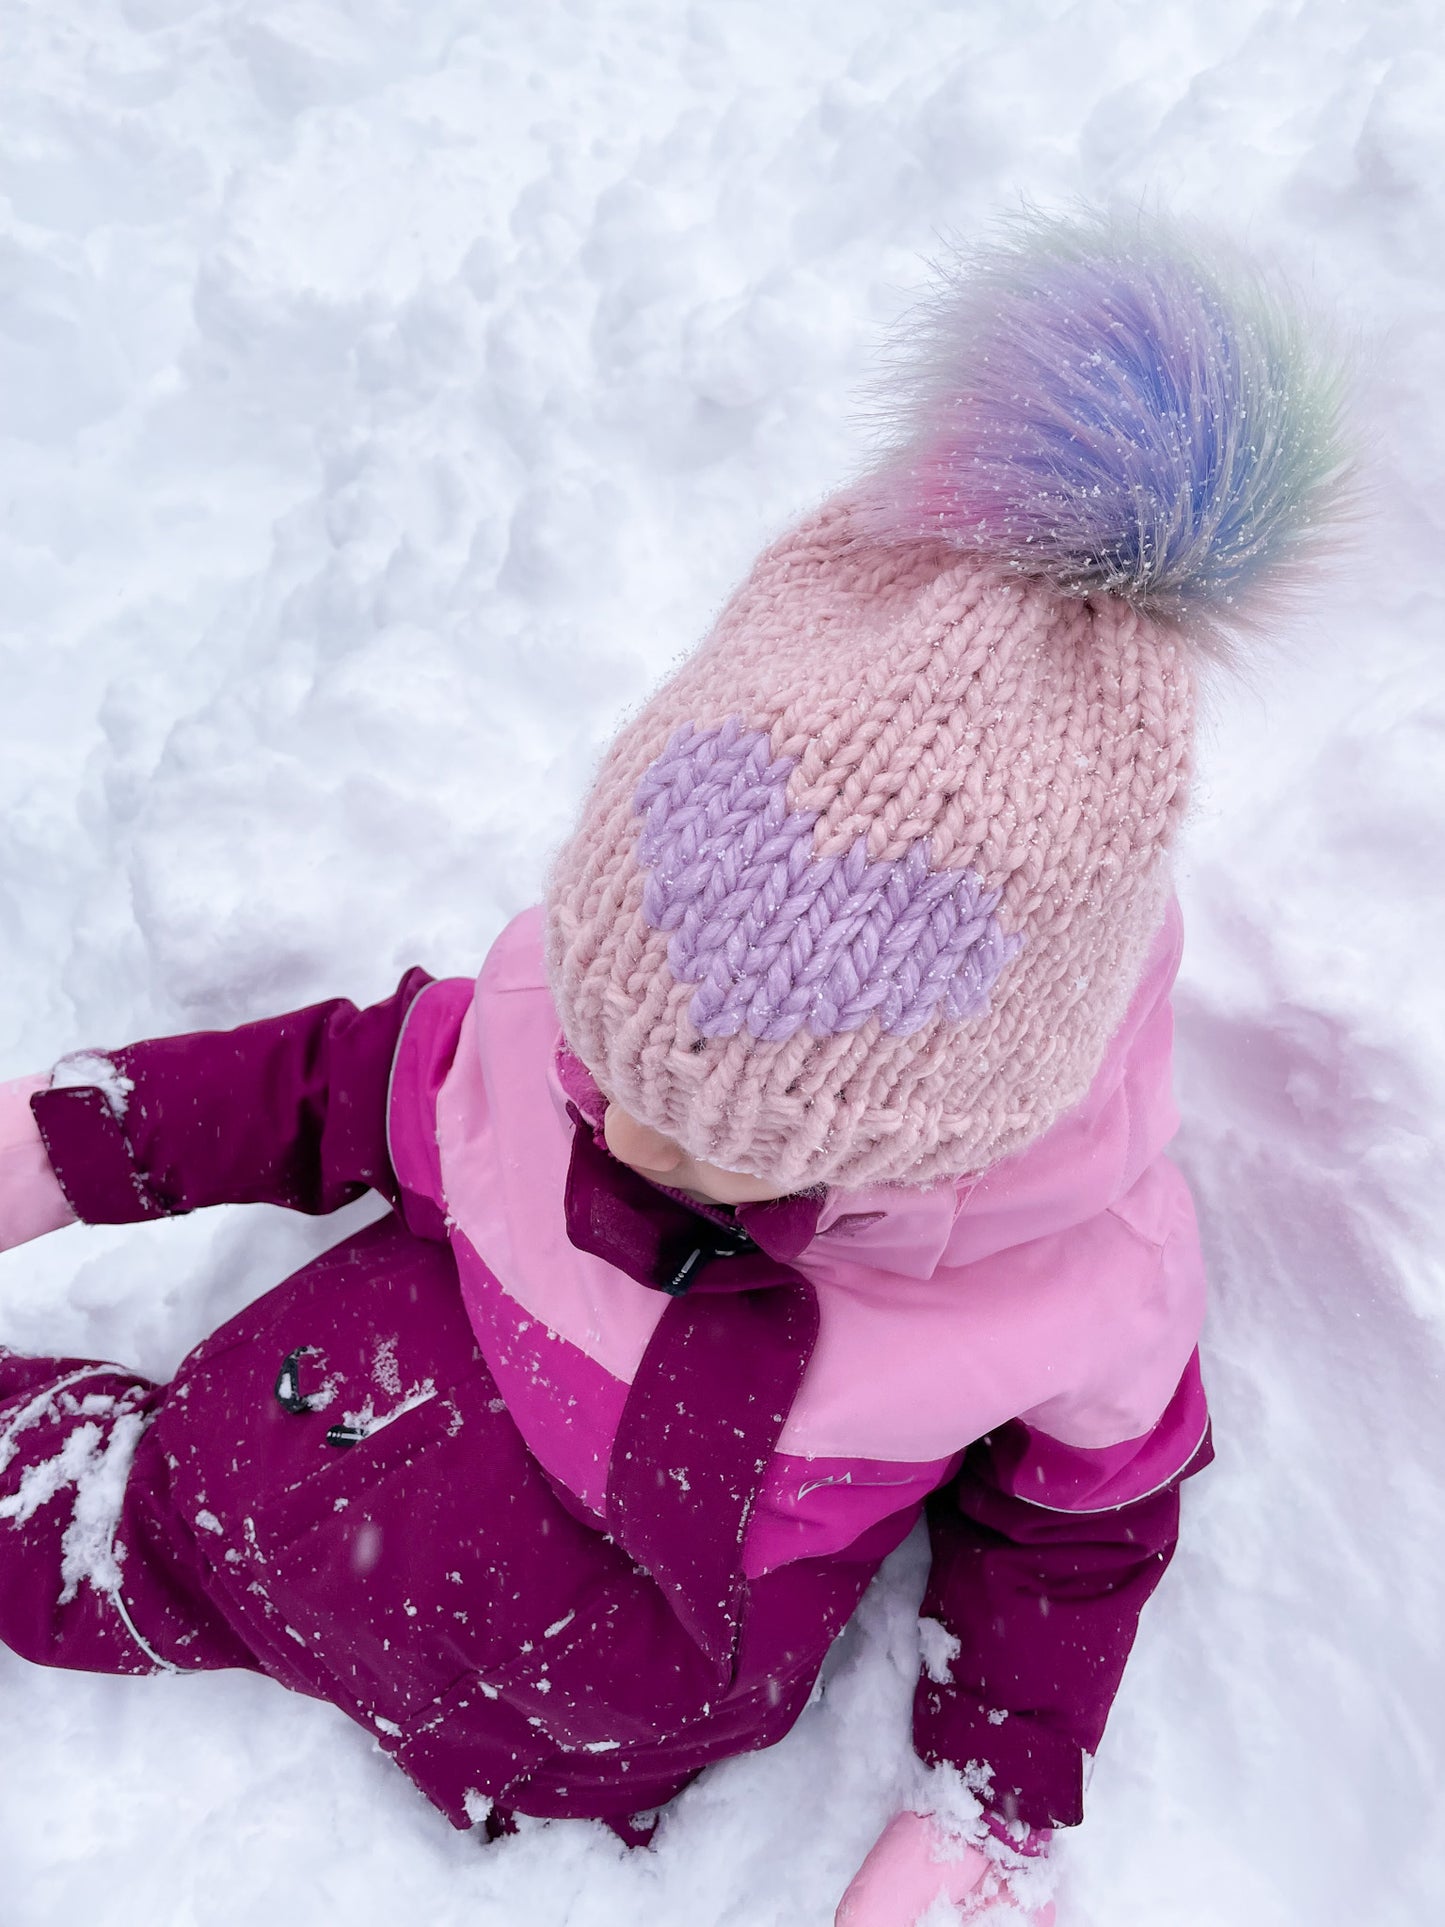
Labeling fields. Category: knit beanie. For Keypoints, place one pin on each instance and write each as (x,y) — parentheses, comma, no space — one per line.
(862,893)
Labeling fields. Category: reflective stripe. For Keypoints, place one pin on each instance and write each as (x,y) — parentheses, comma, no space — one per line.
(37,1404)
(161,1665)
(391,1074)
(1098,1511)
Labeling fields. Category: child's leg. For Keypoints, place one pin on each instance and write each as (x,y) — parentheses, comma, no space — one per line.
(329,1492)
(333,1492)
(93,1573)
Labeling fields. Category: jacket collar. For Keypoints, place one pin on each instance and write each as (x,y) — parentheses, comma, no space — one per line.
(650,1228)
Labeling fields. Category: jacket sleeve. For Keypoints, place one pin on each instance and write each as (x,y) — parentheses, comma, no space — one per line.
(290,1111)
(1039,1599)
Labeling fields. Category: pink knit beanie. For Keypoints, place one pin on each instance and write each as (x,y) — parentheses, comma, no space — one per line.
(864,890)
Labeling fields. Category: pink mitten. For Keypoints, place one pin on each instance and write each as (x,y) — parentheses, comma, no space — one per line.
(913,1863)
(31,1201)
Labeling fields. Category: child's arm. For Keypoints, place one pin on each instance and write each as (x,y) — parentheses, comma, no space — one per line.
(31,1201)
(290,1111)
(1043,1602)
(1038,1598)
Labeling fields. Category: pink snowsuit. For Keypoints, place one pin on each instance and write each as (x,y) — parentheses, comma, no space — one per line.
(562,1485)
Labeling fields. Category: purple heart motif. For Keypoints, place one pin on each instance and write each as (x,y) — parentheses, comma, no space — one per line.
(777,938)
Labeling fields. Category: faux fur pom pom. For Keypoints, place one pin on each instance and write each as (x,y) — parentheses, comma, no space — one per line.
(1115,405)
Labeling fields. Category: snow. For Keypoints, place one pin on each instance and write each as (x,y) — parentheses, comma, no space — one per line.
(83,1069)
(390,394)
(937,1650)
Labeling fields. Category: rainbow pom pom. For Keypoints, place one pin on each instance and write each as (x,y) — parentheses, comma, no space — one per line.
(1116,407)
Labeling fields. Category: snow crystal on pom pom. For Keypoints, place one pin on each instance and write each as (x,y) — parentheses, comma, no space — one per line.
(1115,408)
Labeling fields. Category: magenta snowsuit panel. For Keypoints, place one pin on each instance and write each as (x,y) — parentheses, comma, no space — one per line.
(1064,1290)
(565,1511)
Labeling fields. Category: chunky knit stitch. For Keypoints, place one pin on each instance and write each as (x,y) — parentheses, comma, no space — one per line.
(1035,745)
(862,893)
(776,936)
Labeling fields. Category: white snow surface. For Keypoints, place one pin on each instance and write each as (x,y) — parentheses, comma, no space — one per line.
(389,393)
(89,1069)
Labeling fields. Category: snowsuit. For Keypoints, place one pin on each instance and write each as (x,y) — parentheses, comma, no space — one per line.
(561,1485)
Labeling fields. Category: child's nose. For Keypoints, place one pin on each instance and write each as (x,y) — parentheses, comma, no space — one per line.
(638,1144)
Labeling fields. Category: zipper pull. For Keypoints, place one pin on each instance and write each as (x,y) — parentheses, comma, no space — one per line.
(721,1243)
(288,1381)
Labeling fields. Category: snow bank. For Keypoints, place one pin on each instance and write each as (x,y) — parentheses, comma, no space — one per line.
(390,392)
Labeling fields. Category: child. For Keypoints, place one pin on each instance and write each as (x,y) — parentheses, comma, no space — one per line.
(797,1170)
